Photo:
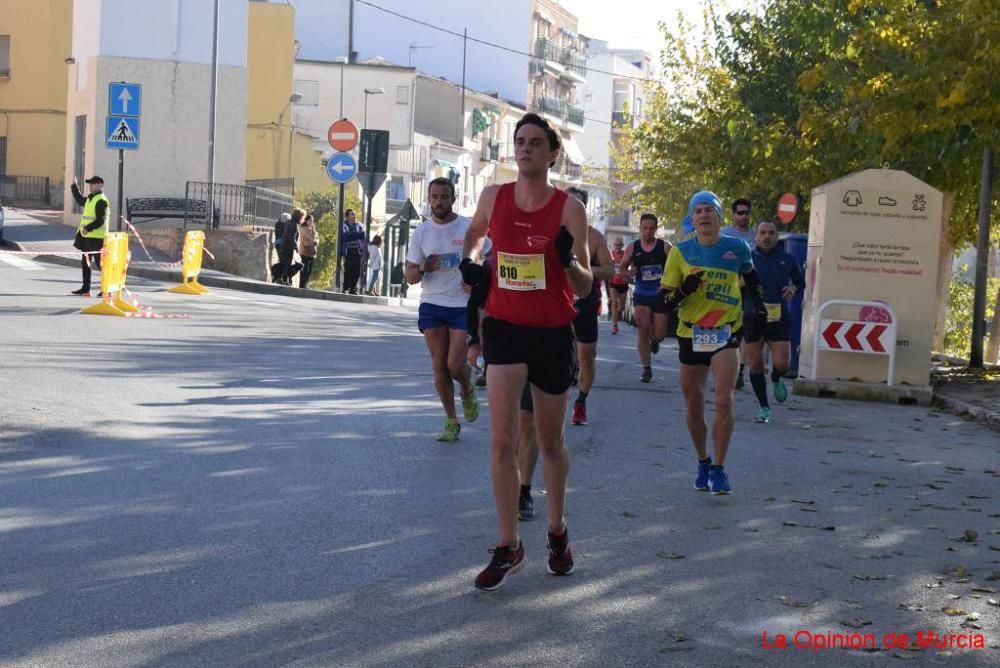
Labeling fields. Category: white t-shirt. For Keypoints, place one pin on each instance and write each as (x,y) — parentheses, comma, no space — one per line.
(375,258)
(442,283)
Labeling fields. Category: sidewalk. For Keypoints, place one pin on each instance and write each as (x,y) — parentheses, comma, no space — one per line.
(970,392)
(28,231)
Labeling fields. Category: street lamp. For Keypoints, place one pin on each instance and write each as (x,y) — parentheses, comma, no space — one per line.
(294,98)
(370,91)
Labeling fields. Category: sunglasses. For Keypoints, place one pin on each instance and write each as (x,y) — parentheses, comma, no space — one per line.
(742,213)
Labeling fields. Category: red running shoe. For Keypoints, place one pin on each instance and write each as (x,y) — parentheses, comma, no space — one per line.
(505,562)
(560,558)
(579,413)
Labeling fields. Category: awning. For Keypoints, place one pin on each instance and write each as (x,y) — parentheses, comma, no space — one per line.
(573,151)
(443,163)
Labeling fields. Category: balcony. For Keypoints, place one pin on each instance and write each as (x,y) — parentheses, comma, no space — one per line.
(565,62)
(619,220)
(550,106)
(490,151)
(574,115)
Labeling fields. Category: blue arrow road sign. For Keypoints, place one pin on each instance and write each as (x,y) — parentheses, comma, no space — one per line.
(341,167)
(124,99)
(122,133)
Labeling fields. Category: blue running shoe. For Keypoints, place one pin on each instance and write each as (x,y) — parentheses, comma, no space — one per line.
(701,481)
(718,481)
(763,416)
(780,391)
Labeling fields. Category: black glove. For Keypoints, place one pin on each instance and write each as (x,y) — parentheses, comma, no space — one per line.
(564,246)
(664,296)
(760,318)
(472,272)
(690,284)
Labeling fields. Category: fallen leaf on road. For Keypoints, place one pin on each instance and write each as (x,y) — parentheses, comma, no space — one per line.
(911,607)
(933,486)
(970,535)
(628,514)
(868,578)
(952,611)
(666,554)
(807,503)
(957,572)
(856,623)
(970,625)
(984,590)
(792,603)
(932,585)
(972,617)
(992,601)
(900,654)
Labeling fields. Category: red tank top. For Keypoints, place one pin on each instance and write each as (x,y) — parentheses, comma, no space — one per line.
(529,283)
(617,256)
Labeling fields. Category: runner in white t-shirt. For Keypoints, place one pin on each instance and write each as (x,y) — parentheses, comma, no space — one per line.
(432,259)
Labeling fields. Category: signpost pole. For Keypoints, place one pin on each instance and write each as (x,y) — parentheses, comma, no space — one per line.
(121,187)
(368,224)
(340,235)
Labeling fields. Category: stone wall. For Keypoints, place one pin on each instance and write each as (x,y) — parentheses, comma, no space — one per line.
(239,253)
(236,252)
(167,240)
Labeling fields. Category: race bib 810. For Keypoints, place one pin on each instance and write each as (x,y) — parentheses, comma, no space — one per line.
(520,272)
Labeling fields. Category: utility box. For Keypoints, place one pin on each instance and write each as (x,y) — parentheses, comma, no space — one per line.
(874,236)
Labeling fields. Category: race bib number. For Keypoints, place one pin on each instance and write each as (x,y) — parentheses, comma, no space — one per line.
(444,262)
(651,272)
(709,339)
(773,312)
(520,272)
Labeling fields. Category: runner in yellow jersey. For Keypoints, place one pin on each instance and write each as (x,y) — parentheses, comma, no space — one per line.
(702,274)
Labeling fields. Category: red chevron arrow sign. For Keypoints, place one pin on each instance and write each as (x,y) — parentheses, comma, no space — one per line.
(855,337)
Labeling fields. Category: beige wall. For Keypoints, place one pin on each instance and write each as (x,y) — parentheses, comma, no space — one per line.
(873,236)
(270,60)
(33,99)
(173,139)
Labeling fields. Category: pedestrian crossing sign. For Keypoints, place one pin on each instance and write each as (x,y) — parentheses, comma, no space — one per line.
(122,133)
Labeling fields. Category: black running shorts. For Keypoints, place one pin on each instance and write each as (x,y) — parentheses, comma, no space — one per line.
(548,351)
(652,302)
(775,331)
(585,324)
(687,355)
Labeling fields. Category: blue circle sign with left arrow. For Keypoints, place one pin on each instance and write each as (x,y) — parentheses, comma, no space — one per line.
(341,167)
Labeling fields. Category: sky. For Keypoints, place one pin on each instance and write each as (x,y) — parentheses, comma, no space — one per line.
(629,24)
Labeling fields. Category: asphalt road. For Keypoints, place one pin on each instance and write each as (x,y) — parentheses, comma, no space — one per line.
(257,484)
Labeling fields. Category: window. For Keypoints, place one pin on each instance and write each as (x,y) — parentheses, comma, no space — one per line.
(5,56)
(309,90)
(402,94)
(396,189)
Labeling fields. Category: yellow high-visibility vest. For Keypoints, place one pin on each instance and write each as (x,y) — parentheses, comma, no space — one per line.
(90,215)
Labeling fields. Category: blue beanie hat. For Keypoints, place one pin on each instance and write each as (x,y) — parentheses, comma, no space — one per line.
(706,197)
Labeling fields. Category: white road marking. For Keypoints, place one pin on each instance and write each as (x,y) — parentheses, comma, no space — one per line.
(20,262)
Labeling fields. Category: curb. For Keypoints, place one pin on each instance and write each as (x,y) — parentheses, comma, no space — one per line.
(842,389)
(977,413)
(220,280)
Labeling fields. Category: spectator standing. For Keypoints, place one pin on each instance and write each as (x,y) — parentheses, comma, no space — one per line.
(289,242)
(308,245)
(374,263)
(354,237)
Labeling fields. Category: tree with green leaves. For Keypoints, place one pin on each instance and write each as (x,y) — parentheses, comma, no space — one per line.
(322,204)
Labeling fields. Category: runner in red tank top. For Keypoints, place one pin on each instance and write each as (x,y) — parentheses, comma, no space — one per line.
(541,259)
(617,286)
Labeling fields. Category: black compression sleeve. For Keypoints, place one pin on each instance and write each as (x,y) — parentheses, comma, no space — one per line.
(754,288)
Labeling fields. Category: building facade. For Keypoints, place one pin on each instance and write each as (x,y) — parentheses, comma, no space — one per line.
(165,46)
(615,97)
(35,43)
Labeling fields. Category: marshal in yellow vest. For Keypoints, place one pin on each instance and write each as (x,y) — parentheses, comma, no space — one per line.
(90,215)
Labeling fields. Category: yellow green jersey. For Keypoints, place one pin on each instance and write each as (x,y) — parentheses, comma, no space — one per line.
(718,301)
